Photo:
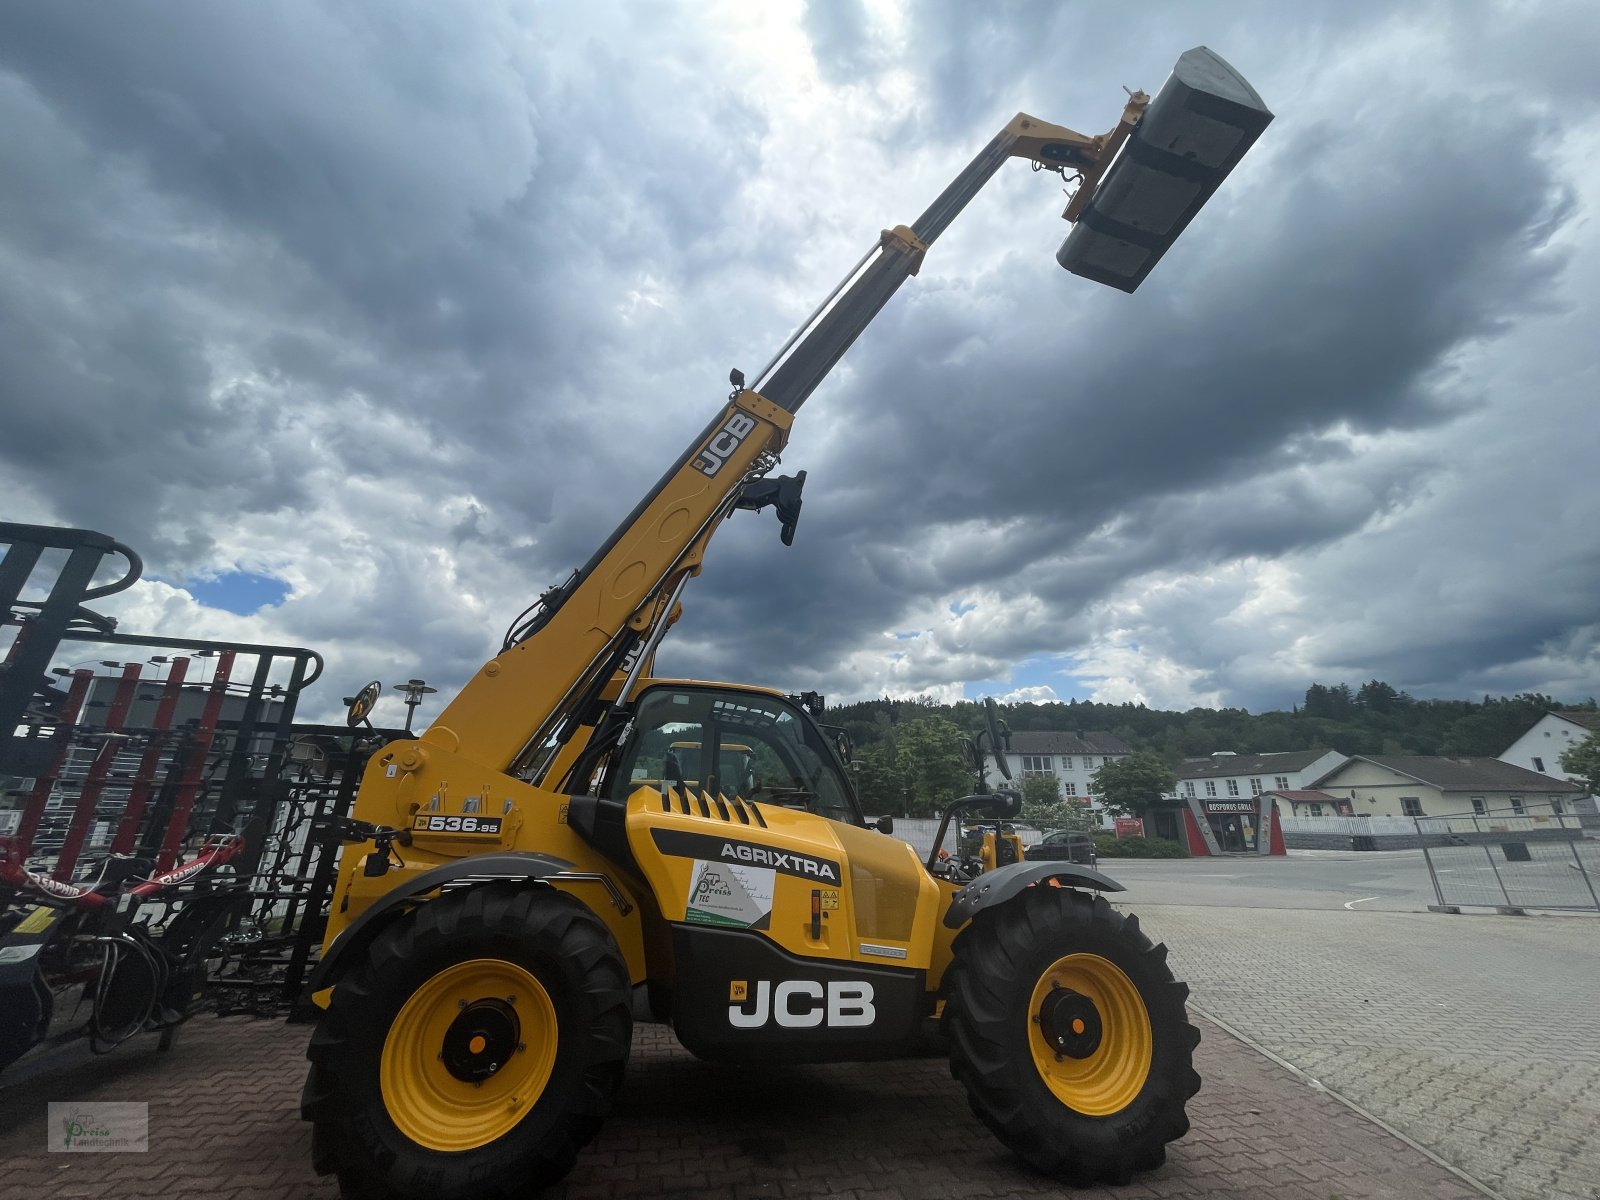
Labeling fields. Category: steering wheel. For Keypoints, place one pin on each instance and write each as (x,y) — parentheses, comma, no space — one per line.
(797,796)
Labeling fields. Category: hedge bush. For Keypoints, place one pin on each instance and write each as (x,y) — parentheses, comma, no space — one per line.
(1109,846)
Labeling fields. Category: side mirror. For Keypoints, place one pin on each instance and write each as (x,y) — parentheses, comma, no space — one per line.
(884,824)
(1006,805)
(360,706)
(998,737)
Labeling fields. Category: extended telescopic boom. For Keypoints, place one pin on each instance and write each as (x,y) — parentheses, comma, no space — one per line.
(607,618)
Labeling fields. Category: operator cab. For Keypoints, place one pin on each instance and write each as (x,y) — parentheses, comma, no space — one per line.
(750,744)
(796,931)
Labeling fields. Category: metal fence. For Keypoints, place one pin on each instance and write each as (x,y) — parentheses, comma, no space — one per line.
(1348,826)
(1508,861)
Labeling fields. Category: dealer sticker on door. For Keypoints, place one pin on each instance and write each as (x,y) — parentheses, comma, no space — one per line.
(731,895)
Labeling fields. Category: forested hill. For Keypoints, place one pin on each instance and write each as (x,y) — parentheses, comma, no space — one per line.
(1372,719)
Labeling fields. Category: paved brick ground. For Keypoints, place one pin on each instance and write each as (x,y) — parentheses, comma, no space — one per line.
(1478,1036)
(224,1125)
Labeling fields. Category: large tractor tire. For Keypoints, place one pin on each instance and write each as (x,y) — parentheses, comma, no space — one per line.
(1070,1035)
(472,1051)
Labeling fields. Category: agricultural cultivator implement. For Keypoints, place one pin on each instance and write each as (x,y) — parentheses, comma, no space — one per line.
(154,823)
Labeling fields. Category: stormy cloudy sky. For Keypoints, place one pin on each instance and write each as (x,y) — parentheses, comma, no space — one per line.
(365,322)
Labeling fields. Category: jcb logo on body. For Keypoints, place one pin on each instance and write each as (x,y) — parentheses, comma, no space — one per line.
(800,1004)
(721,447)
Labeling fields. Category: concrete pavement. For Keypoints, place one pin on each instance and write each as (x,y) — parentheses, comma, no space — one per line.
(1394,880)
(1389,880)
(224,1126)
(1475,1035)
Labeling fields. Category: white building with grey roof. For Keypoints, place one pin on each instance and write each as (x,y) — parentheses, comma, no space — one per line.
(1541,748)
(1228,776)
(1415,785)
(1072,758)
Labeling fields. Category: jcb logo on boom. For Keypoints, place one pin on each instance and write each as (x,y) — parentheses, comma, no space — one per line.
(721,447)
(801,1004)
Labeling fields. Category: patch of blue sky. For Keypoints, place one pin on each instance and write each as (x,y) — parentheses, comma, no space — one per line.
(239,592)
(1043,670)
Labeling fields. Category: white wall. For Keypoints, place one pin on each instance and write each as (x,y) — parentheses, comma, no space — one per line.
(1077,774)
(1245,783)
(1549,737)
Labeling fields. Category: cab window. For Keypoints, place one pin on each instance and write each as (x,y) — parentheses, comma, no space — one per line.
(736,743)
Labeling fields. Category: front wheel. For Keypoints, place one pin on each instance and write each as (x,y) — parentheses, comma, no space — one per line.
(472,1051)
(1070,1035)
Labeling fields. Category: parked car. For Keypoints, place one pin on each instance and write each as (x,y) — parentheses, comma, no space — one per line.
(1065,845)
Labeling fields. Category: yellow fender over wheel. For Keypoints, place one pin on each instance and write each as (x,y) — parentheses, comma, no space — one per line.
(1070,1035)
(472,1051)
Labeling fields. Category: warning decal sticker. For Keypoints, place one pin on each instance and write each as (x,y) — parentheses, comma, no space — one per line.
(37,921)
(731,895)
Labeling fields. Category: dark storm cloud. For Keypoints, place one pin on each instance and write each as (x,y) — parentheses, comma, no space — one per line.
(1340,309)
(301,289)
(385,201)
(1309,312)
(405,306)
(1111,436)
(976,60)
(841,39)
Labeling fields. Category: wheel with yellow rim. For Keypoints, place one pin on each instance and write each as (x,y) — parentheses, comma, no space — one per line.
(1070,1035)
(472,1051)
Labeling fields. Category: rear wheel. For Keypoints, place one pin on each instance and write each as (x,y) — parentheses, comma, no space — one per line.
(1070,1035)
(472,1051)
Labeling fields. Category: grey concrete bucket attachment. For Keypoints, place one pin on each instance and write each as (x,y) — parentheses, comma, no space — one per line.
(1193,134)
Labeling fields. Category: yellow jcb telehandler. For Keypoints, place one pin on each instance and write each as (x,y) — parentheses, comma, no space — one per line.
(575,844)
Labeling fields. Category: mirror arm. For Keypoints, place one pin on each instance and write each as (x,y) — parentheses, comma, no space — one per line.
(954,807)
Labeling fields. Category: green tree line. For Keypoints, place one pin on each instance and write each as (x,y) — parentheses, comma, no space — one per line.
(913,762)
